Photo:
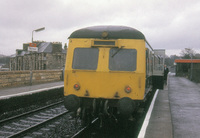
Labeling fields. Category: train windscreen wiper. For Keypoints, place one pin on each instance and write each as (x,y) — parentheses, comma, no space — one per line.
(117,51)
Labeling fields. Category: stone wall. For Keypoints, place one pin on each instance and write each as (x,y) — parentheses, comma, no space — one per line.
(20,78)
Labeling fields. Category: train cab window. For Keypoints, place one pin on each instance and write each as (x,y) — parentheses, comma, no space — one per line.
(85,58)
(122,59)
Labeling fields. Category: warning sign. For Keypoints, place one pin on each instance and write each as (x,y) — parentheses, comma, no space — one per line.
(33,47)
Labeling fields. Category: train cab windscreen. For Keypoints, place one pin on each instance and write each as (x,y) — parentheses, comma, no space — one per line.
(85,58)
(122,59)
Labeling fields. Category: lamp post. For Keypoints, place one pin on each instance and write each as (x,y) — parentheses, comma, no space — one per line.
(31,67)
(191,67)
(37,30)
(31,50)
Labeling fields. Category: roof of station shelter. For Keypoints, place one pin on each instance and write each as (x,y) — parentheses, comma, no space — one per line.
(187,61)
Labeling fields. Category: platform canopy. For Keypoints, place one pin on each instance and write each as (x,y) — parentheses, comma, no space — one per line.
(187,61)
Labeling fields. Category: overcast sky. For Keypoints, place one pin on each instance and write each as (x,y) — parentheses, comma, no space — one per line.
(167,24)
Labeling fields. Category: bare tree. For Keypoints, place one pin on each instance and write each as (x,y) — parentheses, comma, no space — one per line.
(187,53)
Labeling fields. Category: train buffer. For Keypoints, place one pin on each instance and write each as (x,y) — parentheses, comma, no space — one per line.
(176,111)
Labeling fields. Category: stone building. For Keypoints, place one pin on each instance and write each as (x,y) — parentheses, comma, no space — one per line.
(49,56)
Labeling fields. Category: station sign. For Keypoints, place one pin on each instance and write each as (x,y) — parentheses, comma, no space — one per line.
(33,47)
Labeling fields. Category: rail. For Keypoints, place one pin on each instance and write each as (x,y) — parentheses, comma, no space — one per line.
(19,125)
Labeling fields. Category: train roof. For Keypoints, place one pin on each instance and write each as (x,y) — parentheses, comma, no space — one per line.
(113,32)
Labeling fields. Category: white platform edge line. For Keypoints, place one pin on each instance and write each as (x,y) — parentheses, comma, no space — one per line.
(30,92)
(147,118)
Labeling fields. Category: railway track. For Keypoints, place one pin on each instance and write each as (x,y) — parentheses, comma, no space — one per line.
(81,133)
(23,124)
(112,128)
(55,121)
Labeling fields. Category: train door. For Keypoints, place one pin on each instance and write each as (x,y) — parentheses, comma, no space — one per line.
(148,84)
(158,68)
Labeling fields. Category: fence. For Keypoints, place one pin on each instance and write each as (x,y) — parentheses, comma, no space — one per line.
(193,75)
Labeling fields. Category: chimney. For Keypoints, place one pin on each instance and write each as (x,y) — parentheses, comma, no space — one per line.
(18,52)
(65,47)
(25,46)
(56,47)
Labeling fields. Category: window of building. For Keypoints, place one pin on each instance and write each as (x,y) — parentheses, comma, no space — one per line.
(44,67)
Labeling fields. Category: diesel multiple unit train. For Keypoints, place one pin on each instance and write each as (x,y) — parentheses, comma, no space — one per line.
(110,70)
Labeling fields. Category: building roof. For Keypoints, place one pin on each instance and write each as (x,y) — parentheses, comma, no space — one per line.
(114,32)
(187,61)
(22,53)
(43,47)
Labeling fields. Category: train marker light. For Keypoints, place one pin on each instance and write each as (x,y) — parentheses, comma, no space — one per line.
(127,89)
(76,87)
(104,34)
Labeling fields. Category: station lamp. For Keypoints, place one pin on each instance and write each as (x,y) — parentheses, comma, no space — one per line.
(37,30)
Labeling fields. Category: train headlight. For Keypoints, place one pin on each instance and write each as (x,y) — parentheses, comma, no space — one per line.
(127,89)
(76,87)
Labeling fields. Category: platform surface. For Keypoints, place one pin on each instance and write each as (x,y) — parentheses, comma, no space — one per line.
(184,97)
(176,112)
(160,125)
(24,89)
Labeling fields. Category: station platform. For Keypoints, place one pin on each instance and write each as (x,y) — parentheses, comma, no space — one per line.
(176,111)
(25,89)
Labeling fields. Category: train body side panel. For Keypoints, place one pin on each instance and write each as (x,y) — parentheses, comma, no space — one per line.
(106,85)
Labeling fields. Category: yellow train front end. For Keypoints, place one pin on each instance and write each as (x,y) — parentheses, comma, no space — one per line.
(108,71)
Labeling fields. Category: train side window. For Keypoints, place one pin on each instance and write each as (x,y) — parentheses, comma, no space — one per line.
(123,60)
(85,58)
